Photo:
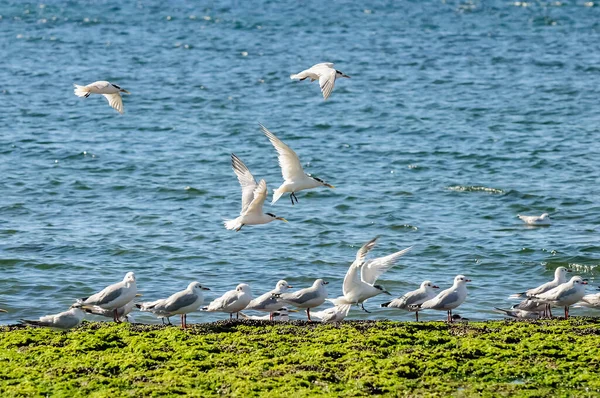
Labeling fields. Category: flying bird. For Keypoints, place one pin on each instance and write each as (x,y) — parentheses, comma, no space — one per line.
(359,282)
(253,198)
(325,73)
(542,220)
(295,179)
(333,314)
(113,297)
(411,299)
(62,321)
(182,303)
(110,91)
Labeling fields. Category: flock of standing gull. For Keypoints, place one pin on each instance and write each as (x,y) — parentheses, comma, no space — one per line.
(117,301)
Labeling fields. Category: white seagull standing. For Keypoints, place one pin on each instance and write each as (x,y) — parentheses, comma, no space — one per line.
(114,296)
(560,277)
(253,198)
(333,314)
(62,321)
(110,91)
(544,219)
(359,282)
(308,298)
(268,303)
(448,299)
(295,179)
(419,296)
(232,301)
(182,303)
(325,73)
(564,295)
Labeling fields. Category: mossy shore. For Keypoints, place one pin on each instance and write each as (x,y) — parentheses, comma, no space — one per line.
(251,358)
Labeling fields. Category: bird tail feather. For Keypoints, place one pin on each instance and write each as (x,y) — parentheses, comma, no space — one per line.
(276,195)
(81,91)
(232,224)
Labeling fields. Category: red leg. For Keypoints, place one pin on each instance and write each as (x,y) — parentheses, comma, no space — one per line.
(270,316)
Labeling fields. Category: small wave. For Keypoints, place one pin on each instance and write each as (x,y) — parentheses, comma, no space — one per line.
(583,267)
(474,188)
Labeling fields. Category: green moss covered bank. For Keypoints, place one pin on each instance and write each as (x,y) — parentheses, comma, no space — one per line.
(542,358)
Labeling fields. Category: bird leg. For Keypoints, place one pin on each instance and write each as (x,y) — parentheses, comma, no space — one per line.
(116,316)
(363,308)
(169,321)
(296,198)
(450,316)
(566,312)
(237,230)
(417,315)
(87,95)
(183,321)
(270,316)
(308,314)
(237,315)
(549,311)
(230,315)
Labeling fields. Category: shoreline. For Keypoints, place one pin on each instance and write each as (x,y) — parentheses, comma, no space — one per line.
(262,358)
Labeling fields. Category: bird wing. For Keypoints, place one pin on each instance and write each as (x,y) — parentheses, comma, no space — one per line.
(224,301)
(373,269)
(291,169)
(260,194)
(327,81)
(322,65)
(105,296)
(352,275)
(115,101)
(541,289)
(246,180)
(180,300)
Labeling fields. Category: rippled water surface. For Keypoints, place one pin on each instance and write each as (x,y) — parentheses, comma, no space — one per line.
(459,115)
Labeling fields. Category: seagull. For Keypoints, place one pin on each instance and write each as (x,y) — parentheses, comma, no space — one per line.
(114,296)
(560,277)
(253,198)
(267,302)
(448,299)
(590,301)
(183,302)
(232,301)
(544,219)
(308,298)
(359,282)
(564,295)
(110,91)
(333,314)
(517,313)
(295,179)
(122,312)
(62,321)
(279,315)
(419,296)
(325,73)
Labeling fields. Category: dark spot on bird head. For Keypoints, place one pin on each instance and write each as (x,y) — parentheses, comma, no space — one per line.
(271,214)
(115,86)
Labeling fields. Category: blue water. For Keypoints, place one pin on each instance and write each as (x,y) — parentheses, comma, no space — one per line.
(458,116)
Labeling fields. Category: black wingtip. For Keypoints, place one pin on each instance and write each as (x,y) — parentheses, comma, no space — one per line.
(386,304)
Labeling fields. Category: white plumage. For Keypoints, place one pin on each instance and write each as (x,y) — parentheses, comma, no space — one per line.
(564,295)
(408,301)
(61,321)
(325,73)
(542,220)
(448,299)
(232,301)
(110,91)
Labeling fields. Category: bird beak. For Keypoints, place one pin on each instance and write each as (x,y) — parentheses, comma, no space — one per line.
(289,287)
(281,218)
(292,310)
(569,270)
(584,283)
(325,283)
(467,280)
(138,295)
(205,288)
(329,186)
(346,76)
(1,310)
(435,287)
(125,91)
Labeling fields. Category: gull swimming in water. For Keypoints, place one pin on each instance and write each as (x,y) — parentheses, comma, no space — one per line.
(114,296)
(267,302)
(253,198)
(110,91)
(308,298)
(232,301)
(333,314)
(448,299)
(564,295)
(279,315)
(544,219)
(182,303)
(325,73)
(419,296)
(61,321)
(295,179)
(359,282)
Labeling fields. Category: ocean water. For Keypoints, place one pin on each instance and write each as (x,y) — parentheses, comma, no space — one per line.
(458,116)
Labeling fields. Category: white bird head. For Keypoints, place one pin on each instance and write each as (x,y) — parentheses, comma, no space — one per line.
(340,74)
(577,280)
(461,280)
(196,287)
(282,286)
(276,218)
(428,285)
(545,216)
(121,89)
(561,273)
(242,287)
(129,277)
(319,283)
(320,181)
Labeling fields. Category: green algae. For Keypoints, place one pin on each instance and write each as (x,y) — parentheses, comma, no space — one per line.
(256,358)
